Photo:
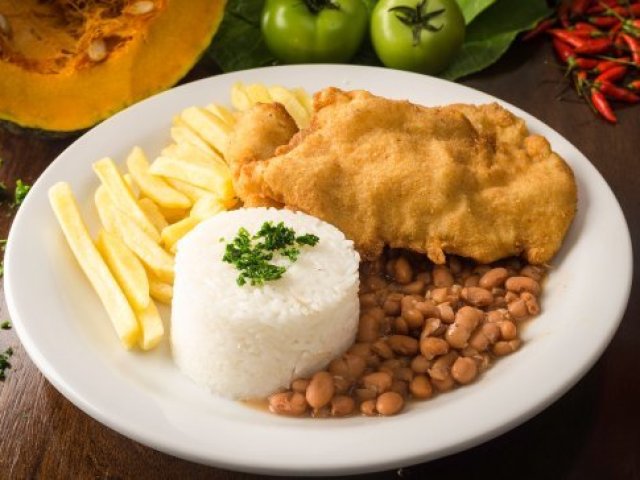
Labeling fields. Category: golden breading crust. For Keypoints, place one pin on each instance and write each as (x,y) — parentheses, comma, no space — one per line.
(461,179)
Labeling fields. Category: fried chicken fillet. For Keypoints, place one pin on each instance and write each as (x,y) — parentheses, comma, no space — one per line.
(462,179)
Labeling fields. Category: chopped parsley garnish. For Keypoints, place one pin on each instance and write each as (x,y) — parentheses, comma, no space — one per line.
(4,362)
(20,192)
(6,325)
(252,255)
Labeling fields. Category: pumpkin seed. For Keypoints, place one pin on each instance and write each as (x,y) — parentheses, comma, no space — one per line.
(5,28)
(97,50)
(141,8)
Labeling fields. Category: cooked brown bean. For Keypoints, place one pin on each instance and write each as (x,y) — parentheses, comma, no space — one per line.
(382,349)
(341,384)
(431,347)
(368,300)
(444,385)
(511,297)
(402,271)
(368,407)
(420,364)
(410,301)
(288,403)
(414,288)
(368,329)
(485,336)
(480,297)
(342,405)
(481,269)
(508,330)
(376,283)
(466,320)
(506,347)
(518,309)
(455,265)
(401,387)
(300,385)
(362,350)
(320,390)
(391,307)
(403,344)
(442,276)
(413,317)
(394,363)
(464,370)
(425,277)
(440,295)
(403,373)
(427,308)
(447,315)
(400,326)
(532,271)
(432,327)
(363,394)
(533,307)
(420,387)
(523,284)
(379,381)
(472,281)
(389,403)
(440,369)
(497,315)
(494,278)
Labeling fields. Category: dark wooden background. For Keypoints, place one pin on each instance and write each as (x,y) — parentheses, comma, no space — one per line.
(591,432)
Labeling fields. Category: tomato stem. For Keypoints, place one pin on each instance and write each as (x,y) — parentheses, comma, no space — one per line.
(316,6)
(417,18)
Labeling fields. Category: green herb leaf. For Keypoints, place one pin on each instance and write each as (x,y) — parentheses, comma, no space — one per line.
(6,325)
(20,192)
(492,32)
(472,8)
(251,254)
(4,363)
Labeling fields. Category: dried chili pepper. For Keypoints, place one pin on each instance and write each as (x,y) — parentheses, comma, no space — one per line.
(602,106)
(539,29)
(613,74)
(617,93)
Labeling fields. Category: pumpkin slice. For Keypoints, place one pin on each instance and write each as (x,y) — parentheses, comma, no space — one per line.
(67,64)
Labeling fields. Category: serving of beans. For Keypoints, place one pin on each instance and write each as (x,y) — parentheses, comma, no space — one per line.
(424,329)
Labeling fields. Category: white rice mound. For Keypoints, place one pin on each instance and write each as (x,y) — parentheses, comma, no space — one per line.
(248,342)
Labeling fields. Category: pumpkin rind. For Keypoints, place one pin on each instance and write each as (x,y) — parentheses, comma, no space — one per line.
(151,61)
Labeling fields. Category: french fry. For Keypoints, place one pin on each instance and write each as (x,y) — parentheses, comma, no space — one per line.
(191,191)
(191,154)
(126,268)
(207,207)
(173,215)
(304,98)
(211,128)
(239,98)
(183,134)
(257,93)
(297,111)
(145,248)
(215,178)
(175,232)
(152,326)
(153,213)
(153,186)
(222,113)
(115,303)
(121,196)
(159,290)
(128,180)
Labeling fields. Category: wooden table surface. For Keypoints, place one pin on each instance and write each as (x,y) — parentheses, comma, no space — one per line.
(591,432)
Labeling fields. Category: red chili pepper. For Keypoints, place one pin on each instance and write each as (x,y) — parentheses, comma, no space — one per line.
(578,7)
(584,63)
(568,37)
(617,93)
(635,85)
(634,46)
(594,46)
(605,65)
(563,51)
(605,22)
(539,29)
(580,81)
(587,27)
(563,15)
(612,75)
(602,106)
(601,6)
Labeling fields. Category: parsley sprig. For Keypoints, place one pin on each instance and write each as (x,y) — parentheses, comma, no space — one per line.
(252,255)
(4,363)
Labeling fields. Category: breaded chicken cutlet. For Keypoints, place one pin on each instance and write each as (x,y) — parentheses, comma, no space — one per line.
(461,179)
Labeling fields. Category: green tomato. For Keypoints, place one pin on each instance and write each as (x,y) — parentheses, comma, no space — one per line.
(314,31)
(418,35)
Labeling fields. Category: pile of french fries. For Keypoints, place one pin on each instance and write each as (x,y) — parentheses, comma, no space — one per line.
(145,211)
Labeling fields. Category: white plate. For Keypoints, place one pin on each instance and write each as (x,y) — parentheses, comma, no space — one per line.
(143,396)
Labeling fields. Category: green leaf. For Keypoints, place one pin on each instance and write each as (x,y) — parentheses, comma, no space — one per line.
(492,32)
(238,44)
(472,8)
